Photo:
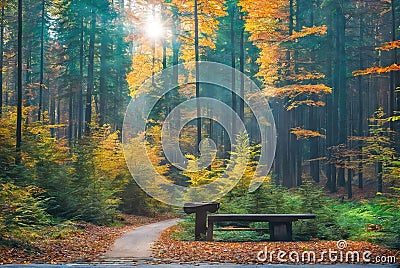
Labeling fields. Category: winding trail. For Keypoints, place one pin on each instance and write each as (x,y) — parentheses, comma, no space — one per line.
(137,243)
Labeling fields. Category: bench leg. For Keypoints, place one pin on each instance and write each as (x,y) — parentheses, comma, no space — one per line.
(200,225)
(280,231)
(210,230)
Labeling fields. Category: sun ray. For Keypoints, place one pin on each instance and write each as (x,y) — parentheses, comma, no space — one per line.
(154,28)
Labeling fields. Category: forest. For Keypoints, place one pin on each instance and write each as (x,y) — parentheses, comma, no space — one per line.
(329,69)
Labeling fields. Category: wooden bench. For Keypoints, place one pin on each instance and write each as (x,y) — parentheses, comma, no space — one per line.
(280,225)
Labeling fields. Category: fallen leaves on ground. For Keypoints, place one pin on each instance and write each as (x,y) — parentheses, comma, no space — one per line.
(83,243)
(267,252)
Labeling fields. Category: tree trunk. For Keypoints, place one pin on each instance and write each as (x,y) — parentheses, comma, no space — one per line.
(340,84)
(80,97)
(164,55)
(71,117)
(28,77)
(314,122)
(297,114)
(175,58)
(380,175)
(1,56)
(197,58)
(175,47)
(360,108)
(241,68)
(41,74)
(394,55)
(332,111)
(19,87)
(349,180)
(394,81)
(392,89)
(287,162)
(58,110)
(102,82)
(233,65)
(52,112)
(314,145)
(90,78)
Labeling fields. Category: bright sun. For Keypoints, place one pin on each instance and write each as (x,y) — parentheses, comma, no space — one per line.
(154,28)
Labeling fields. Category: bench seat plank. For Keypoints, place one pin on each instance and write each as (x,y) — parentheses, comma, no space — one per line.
(280,225)
(242,229)
(260,217)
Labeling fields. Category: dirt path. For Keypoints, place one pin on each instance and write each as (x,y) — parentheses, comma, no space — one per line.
(137,243)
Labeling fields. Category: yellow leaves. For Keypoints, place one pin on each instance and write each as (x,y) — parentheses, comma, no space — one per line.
(142,68)
(187,91)
(208,14)
(378,70)
(187,52)
(109,159)
(212,8)
(390,45)
(394,118)
(303,134)
(268,61)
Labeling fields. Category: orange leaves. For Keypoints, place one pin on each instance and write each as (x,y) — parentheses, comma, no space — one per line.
(263,21)
(377,70)
(266,21)
(246,252)
(310,103)
(390,45)
(295,90)
(303,134)
(315,30)
(310,89)
(308,76)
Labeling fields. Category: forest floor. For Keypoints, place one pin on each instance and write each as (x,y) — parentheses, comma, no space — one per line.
(174,251)
(76,243)
(86,243)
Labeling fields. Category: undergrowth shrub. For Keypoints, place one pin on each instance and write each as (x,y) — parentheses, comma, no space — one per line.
(325,226)
(21,210)
(376,221)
